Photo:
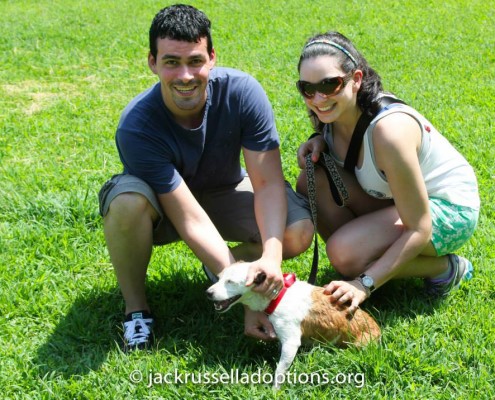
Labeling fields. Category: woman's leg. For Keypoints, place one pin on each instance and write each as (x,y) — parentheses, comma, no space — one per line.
(331,217)
(356,245)
(360,233)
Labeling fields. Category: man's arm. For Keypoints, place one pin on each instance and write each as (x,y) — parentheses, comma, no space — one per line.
(270,205)
(195,228)
(198,232)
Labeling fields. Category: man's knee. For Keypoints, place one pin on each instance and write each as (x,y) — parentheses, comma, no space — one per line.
(128,207)
(298,237)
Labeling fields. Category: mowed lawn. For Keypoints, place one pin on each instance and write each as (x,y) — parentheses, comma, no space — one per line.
(68,68)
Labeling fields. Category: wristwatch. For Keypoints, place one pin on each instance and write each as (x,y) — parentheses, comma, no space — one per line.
(367,282)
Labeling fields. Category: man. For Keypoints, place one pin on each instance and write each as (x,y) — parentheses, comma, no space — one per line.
(180,144)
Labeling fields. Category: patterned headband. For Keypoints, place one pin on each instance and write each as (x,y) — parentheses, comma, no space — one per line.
(333,44)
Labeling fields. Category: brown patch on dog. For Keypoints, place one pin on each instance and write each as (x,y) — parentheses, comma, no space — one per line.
(329,322)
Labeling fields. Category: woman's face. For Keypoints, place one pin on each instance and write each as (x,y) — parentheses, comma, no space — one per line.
(333,105)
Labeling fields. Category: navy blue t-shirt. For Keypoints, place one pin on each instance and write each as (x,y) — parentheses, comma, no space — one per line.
(153,147)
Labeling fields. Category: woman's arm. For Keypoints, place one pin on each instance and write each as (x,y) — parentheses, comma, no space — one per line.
(396,141)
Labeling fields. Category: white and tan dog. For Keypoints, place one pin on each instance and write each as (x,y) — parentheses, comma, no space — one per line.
(301,312)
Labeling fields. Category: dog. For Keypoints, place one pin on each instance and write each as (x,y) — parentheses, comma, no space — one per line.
(301,313)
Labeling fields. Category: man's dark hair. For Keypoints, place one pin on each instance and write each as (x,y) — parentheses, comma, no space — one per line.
(180,22)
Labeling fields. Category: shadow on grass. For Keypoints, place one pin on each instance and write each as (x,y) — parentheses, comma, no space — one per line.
(398,299)
(185,320)
(83,338)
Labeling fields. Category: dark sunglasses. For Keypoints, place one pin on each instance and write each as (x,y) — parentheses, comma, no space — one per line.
(326,87)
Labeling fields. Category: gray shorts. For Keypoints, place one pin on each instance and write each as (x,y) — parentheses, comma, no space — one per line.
(230,208)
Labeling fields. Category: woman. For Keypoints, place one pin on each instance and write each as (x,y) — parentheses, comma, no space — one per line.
(413,200)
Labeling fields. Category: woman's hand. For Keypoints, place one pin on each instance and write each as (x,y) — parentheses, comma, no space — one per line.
(315,145)
(346,291)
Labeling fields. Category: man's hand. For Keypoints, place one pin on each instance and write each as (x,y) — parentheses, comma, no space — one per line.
(258,326)
(273,280)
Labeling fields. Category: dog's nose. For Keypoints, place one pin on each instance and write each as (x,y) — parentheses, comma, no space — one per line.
(209,293)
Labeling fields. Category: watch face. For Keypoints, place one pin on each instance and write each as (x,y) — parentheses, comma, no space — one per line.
(367,281)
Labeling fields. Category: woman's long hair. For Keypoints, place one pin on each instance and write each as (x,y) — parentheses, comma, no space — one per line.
(349,59)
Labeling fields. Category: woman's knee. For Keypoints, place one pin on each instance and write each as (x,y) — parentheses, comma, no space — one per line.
(302,183)
(344,256)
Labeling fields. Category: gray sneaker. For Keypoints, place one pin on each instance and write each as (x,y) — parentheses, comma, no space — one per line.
(462,269)
(138,331)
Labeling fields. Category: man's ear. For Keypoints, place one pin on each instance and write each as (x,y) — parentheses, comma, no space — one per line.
(213,58)
(259,278)
(152,62)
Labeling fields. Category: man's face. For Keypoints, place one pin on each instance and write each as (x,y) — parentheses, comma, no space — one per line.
(183,69)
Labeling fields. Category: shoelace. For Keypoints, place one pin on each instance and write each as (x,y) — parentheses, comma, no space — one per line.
(137,330)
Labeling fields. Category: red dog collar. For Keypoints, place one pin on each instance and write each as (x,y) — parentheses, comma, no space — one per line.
(289,280)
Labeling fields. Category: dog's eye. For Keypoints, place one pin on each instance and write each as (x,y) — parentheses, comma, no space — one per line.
(229,281)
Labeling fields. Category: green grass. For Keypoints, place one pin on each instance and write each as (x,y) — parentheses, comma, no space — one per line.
(69,68)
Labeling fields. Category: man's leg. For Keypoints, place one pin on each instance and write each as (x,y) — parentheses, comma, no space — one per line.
(247,251)
(133,221)
(232,211)
(299,232)
(128,228)
(297,239)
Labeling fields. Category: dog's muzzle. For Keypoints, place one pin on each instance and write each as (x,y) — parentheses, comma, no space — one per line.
(224,305)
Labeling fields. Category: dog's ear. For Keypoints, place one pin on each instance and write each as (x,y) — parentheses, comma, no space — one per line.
(259,278)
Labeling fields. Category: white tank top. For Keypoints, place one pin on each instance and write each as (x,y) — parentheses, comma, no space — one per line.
(446,172)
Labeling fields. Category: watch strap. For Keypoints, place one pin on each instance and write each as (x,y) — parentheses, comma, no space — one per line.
(368,288)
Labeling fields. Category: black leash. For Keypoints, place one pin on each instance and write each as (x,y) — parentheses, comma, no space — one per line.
(339,194)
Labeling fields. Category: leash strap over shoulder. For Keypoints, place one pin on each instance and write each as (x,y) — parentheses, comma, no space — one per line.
(361,126)
(339,193)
